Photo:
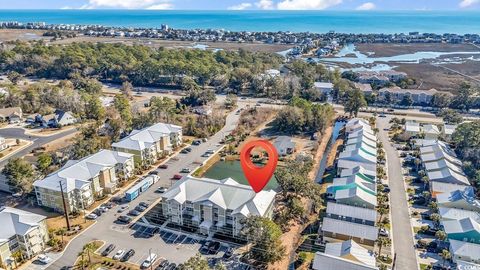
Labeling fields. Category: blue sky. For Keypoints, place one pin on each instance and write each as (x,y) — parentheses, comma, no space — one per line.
(246,4)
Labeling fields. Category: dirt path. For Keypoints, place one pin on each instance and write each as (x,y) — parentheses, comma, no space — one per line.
(291,238)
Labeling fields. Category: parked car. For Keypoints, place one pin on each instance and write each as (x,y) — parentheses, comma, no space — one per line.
(177,176)
(163,265)
(171,266)
(140,208)
(109,249)
(108,205)
(123,208)
(134,213)
(196,142)
(185,170)
(228,253)
(205,247)
(153,173)
(103,209)
(97,212)
(184,151)
(127,255)
(149,260)
(119,254)
(124,219)
(189,149)
(44,259)
(383,232)
(161,190)
(144,204)
(91,216)
(214,247)
(163,166)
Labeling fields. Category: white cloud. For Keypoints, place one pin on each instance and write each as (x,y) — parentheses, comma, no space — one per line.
(468,3)
(161,6)
(264,4)
(129,4)
(307,4)
(366,6)
(241,6)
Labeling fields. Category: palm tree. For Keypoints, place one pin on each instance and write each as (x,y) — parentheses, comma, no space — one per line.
(382,210)
(445,256)
(425,181)
(441,235)
(382,242)
(417,162)
(435,217)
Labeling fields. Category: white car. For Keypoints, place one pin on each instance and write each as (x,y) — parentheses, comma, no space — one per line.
(44,259)
(149,260)
(91,216)
(103,209)
(119,254)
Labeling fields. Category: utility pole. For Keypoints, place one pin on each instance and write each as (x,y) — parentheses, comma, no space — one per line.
(65,211)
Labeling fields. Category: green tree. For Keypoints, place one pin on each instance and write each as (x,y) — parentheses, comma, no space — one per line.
(14,77)
(289,120)
(383,241)
(196,262)
(122,105)
(354,101)
(264,235)
(127,89)
(20,174)
(44,161)
(446,255)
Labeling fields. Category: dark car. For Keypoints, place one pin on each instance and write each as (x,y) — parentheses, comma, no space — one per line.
(196,142)
(144,204)
(134,212)
(108,250)
(163,166)
(184,151)
(108,205)
(228,253)
(189,149)
(153,173)
(205,247)
(140,208)
(124,219)
(127,255)
(177,176)
(171,266)
(97,212)
(163,265)
(214,247)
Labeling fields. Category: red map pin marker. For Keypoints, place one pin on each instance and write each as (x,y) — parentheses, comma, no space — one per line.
(258,177)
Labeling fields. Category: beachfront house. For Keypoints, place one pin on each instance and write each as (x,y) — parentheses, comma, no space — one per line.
(23,232)
(213,206)
(466,230)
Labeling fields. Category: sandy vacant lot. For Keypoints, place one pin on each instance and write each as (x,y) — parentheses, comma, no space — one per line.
(21,34)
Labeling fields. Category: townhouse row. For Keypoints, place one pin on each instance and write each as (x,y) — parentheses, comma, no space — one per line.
(349,225)
(457,203)
(82,181)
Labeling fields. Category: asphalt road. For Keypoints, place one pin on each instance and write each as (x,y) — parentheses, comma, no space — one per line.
(38,141)
(105,228)
(403,242)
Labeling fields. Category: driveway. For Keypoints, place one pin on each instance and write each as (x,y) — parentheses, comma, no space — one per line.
(122,236)
(406,258)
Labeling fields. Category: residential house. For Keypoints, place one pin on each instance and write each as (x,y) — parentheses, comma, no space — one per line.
(336,229)
(466,255)
(430,131)
(284,145)
(394,76)
(21,231)
(361,215)
(357,124)
(344,255)
(11,115)
(359,171)
(84,180)
(364,87)
(397,94)
(437,188)
(459,199)
(62,118)
(466,230)
(151,143)
(412,128)
(373,78)
(324,88)
(215,206)
(448,130)
(456,214)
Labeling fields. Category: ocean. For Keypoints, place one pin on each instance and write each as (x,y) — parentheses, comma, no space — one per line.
(439,22)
